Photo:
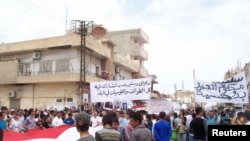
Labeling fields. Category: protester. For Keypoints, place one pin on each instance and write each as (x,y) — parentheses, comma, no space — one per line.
(129,129)
(20,113)
(3,123)
(69,120)
(47,122)
(190,130)
(107,133)
(162,128)
(140,131)
(174,135)
(189,119)
(95,120)
(149,123)
(182,127)
(199,125)
(15,125)
(57,120)
(82,122)
(1,134)
(247,117)
(238,119)
(211,117)
(121,129)
(30,123)
(7,117)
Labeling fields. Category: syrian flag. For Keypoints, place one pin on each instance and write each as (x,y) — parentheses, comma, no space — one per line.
(63,133)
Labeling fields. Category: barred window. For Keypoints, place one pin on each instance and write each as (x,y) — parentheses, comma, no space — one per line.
(69,99)
(59,100)
(62,65)
(27,69)
(45,67)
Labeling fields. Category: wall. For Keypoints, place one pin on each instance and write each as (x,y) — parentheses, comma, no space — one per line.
(8,71)
(39,95)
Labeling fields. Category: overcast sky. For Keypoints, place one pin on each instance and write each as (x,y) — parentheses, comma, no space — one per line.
(208,36)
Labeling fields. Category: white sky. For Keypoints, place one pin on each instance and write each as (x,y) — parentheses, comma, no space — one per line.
(208,36)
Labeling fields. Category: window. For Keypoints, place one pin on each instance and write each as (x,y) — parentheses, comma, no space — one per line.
(62,65)
(27,70)
(24,69)
(20,69)
(59,100)
(69,99)
(97,71)
(45,67)
(87,67)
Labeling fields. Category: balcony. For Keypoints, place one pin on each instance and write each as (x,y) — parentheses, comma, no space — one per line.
(46,77)
(139,52)
(142,73)
(131,65)
(50,77)
(97,48)
(144,36)
(139,35)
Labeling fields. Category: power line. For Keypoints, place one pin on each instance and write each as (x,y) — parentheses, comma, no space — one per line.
(53,4)
(49,29)
(51,8)
(39,6)
(44,9)
(38,9)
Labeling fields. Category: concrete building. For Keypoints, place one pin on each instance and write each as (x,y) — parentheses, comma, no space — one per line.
(185,97)
(44,73)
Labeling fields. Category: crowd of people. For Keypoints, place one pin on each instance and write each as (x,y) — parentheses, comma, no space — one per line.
(119,125)
(185,125)
(29,119)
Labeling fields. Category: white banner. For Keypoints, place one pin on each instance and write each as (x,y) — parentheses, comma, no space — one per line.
(233,90)
(85,98)
(156,106)
(133,89)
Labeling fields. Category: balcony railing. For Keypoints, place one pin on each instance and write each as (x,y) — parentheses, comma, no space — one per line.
(70,71)
(59,76)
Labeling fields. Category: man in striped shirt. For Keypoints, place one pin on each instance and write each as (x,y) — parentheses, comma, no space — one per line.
(107,133)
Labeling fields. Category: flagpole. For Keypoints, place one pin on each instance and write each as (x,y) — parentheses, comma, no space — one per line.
(194,91)
(193,73)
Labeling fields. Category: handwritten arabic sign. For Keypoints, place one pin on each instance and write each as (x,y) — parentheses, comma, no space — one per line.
(233,90)
(156,106)
(133,89)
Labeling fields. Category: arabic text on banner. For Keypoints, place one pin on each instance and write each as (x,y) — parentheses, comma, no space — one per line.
(157,106)
(133,89)
(233,90)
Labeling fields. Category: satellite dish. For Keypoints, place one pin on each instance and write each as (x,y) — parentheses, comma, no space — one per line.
(99,31)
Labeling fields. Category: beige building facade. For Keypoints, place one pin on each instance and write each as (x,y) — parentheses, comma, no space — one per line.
(45,73)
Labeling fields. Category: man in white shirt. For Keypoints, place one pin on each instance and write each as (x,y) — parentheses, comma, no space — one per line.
(95,120)
(57,120)
(15,125)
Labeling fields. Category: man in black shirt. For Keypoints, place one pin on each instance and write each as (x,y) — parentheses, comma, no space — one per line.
(199,125)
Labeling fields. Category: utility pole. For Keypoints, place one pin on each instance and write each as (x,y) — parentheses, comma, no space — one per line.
(85,28)
(81,28)
(175,94)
